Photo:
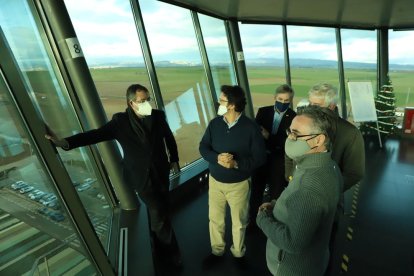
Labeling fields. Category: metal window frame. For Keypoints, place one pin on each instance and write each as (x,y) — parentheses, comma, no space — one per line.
(52,163)
(57,27)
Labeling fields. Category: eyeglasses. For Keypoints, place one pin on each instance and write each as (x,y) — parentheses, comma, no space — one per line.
(222,101)
(143,100)
(295,137)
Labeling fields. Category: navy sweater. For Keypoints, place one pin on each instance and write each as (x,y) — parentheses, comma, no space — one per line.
(243,140)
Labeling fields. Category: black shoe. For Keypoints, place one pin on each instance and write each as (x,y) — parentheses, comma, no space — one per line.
(211,260)
(241,262)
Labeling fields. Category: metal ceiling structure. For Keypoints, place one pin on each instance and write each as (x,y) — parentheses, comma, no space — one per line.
(359,14)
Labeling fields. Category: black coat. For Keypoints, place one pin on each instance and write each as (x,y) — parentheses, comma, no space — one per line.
(264,118)
(140,157)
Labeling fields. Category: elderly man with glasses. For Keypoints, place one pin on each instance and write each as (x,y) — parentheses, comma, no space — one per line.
(298,224)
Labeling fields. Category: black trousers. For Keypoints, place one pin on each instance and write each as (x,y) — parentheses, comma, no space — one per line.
(156,199)
(271,175)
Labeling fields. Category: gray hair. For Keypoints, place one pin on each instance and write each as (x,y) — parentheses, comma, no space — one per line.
(323,121)
(326,91)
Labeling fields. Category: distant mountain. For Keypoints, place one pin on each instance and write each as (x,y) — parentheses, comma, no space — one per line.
(318,63)
(259,62)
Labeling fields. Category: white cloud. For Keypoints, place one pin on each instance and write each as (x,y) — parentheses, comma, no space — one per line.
(99,8)
(106,28)
(360,50)
(215,41)
(264,52)
(401,45)
(307,49)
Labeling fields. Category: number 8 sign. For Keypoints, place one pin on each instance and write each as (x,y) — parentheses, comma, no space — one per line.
(74,47)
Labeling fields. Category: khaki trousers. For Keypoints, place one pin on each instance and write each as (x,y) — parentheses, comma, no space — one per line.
(237,196)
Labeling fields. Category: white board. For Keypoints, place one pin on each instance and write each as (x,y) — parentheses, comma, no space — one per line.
(362,101)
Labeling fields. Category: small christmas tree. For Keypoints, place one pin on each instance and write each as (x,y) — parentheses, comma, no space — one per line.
(385,106)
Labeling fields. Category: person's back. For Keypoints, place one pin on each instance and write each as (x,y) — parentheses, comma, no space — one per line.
(349,152)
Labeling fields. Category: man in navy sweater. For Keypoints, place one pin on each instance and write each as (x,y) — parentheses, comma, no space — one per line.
(234,147)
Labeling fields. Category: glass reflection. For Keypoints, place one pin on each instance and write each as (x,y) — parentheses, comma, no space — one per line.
(218,52)
(182,79)
(35,232)
(49,96)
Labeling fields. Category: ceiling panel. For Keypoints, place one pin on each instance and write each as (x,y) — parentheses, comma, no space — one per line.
(367,14)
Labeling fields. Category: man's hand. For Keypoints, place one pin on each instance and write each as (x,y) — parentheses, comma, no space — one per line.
(224,157)
(50,135)
(267,206)
(174,167)
(229,165)
(265,133)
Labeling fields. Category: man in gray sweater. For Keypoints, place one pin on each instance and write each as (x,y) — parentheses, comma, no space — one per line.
(298,225)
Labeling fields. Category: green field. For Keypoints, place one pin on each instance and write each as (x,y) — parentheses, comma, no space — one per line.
(263,80)
(190,82)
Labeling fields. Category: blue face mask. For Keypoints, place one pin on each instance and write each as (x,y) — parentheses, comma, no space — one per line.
(281,107)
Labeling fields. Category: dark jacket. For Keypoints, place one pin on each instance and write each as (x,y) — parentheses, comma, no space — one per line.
(139,156)
(243,140)
(264,118)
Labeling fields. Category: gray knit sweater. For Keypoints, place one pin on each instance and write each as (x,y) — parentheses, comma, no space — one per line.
(299,227)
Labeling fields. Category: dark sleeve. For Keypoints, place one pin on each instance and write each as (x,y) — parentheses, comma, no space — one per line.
(304,213)
(104,133)
(206,148)
(169,139)
(259,117)
(353,167)
(257,150)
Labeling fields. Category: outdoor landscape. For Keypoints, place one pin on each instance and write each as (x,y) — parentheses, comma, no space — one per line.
(177,81)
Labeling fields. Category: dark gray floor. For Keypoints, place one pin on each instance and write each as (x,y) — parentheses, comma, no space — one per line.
(191,226)
(383,224)
(379,222)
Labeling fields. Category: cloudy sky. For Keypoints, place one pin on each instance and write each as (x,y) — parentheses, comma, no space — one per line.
(106,30)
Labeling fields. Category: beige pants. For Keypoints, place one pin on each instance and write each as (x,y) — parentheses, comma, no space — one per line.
(237,196)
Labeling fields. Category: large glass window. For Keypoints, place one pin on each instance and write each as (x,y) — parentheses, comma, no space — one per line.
(401,68)
(359,53)
(49,96)
(264,56)
(217,46)
(35,233)
(181,76)
(107,33)
(313,58)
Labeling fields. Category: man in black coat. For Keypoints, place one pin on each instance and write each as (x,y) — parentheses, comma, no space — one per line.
(144,135)
(273,121)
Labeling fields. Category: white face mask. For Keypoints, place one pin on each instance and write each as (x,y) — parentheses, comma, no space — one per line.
(143,109)
(222,110)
